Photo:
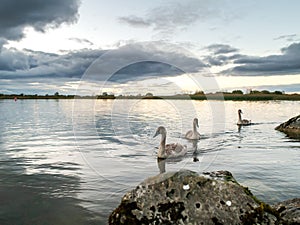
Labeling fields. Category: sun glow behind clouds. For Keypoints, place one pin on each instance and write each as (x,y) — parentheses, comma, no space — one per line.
(189,83)
(235,82)
(52,42)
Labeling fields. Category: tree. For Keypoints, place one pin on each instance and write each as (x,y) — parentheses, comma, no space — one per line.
(265,92)
(56,94)
(254,92)
(237,92)
(278,92)
(199,93)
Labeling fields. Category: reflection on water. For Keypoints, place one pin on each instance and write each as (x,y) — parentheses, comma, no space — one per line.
(40,199)
(161,165)
(195,150)
(70,162)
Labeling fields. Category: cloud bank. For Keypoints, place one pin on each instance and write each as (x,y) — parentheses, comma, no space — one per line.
(288,62)
(136,61)
(144,60)
(16,15)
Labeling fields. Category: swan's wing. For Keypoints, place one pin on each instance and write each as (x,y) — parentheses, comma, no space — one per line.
(192,136)
(189,134)
(246,121)
(176,150)
(170,148)
(180,148)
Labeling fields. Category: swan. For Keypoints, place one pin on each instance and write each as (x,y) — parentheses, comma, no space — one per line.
(193,134)
(243,122)
(168,150)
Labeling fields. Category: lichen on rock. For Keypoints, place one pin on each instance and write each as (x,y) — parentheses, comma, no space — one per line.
(185,197)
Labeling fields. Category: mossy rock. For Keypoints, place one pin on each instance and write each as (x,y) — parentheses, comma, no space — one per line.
(185,197)
(291,127)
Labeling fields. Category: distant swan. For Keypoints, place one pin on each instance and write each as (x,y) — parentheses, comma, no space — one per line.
(168,150)
(243,122)
(193,134)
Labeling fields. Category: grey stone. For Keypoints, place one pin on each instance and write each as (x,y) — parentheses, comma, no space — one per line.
(185,197)
(291,127)
(289,211)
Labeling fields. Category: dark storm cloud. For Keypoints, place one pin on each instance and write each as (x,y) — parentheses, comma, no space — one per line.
(16,15)
(130,62)
(144,60)
(15,64)
(288,62)
(221,54)
(145,69)
(136,61)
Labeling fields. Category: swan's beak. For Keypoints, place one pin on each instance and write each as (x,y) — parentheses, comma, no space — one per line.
(156,133)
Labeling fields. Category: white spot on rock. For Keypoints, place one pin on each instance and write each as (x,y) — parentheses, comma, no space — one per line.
(228,203)
(186,187)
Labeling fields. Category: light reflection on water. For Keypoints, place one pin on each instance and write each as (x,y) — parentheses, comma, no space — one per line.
(81,156)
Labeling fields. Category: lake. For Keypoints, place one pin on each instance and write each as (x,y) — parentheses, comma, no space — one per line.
(71,161)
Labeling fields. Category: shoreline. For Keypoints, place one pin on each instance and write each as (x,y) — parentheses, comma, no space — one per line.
(210,96)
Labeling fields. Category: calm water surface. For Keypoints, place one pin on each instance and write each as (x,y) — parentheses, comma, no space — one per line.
(70,161)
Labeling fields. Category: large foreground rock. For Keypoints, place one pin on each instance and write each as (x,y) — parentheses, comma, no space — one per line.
(291,127)
(185,197)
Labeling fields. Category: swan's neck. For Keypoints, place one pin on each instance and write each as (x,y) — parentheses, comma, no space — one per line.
(240,116)
(194,127)
(162,147)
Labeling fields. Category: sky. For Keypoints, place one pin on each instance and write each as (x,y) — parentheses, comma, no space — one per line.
(134,47)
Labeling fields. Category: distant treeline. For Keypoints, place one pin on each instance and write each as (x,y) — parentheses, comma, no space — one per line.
(236,95)
(253,95)
(35,96)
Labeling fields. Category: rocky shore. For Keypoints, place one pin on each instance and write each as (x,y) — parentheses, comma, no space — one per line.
(291,127)
(186,197)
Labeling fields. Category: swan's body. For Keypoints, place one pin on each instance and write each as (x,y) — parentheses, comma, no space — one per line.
(168,150)
(242,122)
(193,134)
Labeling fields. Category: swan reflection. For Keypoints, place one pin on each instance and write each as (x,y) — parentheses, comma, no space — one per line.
(161,163)
(195,150)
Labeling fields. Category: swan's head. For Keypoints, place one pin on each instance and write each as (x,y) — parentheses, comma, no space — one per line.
(160,130)
(196,122)
(240,111)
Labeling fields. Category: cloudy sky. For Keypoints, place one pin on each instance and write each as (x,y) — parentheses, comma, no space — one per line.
(165,47)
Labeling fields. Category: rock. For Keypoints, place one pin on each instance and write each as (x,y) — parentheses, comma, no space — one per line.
(289,211)
(185,197)
(291,127)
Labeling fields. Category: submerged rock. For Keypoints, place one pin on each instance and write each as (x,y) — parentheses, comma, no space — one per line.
(185,197)
(291,127)
(289,211)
